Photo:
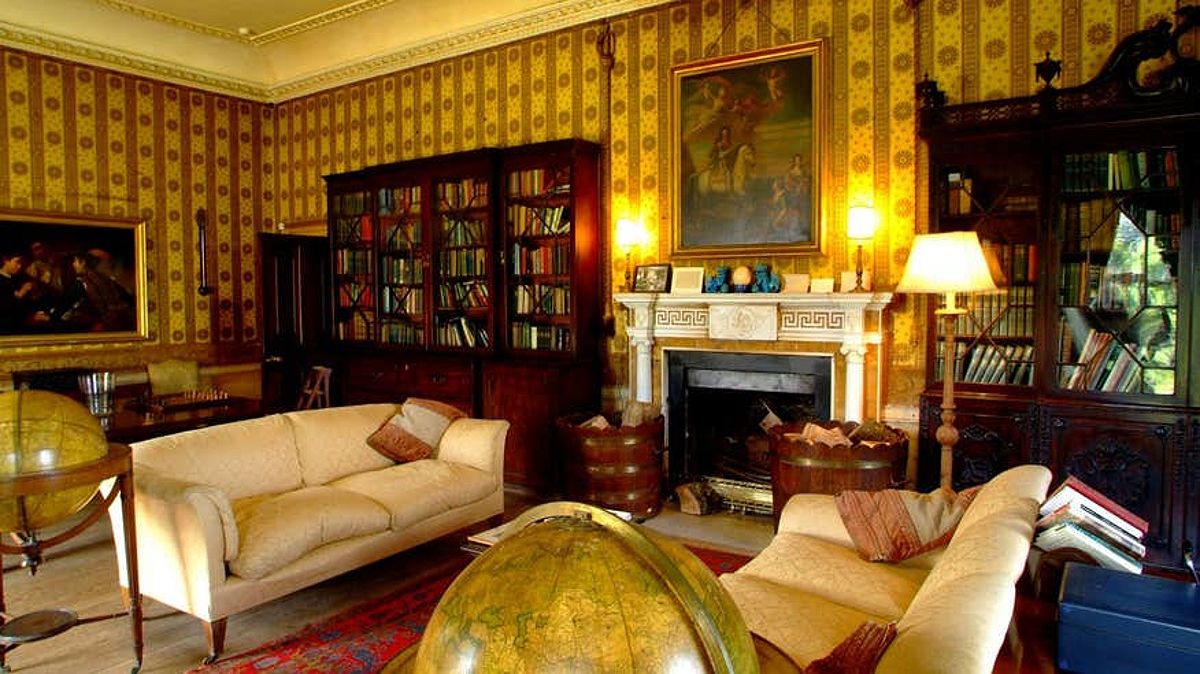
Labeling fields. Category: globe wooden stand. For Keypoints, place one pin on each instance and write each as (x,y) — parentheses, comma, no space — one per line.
(44,624)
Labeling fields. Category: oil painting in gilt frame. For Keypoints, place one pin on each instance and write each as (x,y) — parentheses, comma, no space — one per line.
(67,279)
(747,152)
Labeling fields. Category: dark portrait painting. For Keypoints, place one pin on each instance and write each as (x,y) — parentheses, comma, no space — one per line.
(65,278)
(747,158)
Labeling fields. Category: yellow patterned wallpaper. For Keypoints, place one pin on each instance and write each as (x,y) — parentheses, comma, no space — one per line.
(256,165)
(84,140)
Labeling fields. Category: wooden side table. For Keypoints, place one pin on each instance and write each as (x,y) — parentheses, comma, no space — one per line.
(40,625)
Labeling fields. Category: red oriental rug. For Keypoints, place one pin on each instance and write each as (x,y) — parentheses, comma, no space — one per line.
(364,638)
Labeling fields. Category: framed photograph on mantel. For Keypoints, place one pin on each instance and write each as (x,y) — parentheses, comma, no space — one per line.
(747,150)
(67,279)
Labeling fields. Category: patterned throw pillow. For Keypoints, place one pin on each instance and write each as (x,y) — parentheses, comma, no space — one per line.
(415,431)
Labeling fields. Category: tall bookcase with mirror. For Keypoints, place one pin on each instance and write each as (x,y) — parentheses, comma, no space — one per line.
(472,278)
(1087,198)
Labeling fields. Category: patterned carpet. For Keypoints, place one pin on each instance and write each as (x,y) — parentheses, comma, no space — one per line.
(363,639)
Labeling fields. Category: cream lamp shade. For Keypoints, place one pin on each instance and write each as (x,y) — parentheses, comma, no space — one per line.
(630,233)
(862,222)
(949,263)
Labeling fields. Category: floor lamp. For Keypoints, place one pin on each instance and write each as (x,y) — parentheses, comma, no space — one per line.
(947,264)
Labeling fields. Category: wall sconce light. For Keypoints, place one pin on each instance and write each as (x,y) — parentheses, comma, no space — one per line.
(202,239)
(630,235)
(861,226)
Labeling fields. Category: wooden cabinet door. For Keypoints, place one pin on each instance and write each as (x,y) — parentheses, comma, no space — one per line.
(1134,457)
(994,434)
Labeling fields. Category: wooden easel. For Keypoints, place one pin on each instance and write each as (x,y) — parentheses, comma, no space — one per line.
(315,392)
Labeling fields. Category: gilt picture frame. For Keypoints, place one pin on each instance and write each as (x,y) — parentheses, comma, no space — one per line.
(71,278)
(748,151)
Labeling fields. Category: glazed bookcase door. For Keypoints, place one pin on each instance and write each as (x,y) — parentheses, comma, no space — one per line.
(993,191)
(353,229)
(463,294)
(402,254)
(1120,223)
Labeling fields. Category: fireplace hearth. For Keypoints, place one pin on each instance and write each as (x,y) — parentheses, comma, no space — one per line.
(719,405)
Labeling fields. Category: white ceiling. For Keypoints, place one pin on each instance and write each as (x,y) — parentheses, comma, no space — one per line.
(273,50)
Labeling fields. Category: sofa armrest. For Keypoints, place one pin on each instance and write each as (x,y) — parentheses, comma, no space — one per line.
(815,515)
(185,534)
(476,442)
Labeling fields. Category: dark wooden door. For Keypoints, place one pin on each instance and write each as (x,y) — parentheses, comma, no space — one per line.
(295,312)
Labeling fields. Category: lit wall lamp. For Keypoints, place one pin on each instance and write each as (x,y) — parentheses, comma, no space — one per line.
(202,239)
(630,234)
(946,264)
(861,226)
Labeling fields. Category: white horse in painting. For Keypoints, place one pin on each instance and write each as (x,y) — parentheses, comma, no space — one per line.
(715,179)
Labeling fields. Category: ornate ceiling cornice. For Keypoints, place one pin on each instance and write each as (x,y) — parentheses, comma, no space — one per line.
(557,16)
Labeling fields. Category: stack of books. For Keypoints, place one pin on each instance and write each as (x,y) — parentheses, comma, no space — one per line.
(1078,516)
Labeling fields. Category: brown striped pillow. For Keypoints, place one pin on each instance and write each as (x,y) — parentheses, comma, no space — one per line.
(415,431)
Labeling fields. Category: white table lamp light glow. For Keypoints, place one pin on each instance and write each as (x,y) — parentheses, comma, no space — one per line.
(630,234)
(946,264)
(862,221)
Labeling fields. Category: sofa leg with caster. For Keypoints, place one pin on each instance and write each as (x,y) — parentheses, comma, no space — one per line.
(215,631)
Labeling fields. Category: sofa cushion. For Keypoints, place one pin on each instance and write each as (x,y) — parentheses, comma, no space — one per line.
(414,431)
(246,458)
(413,492)
(278,529)
(332,442)
(837,573)
(804,626)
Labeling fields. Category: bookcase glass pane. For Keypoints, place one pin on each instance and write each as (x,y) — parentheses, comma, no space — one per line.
(538,225)
(353,229)
(402,268)
(463,231)
(1118,294)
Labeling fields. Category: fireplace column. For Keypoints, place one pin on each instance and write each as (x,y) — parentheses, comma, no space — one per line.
(829,318)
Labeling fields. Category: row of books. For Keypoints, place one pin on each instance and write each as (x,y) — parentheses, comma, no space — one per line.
(405,199)
(461,232)
(359,325)
(353,230)
(348,204)
(401,332)
(1010,364)
(555,259)
(1008,314)
(1076,515)
(554,300)
(401,234)
(538,221)
(462,331)
(465,193)
(402,300)
(464,262)
(1154,221)
(353,261)
(538,181)
(1089,225)
(403,270)
(1124,170)
(1018,260)
(463,294)
(1104,364)
(542,337)
(1094,286)
(355,294)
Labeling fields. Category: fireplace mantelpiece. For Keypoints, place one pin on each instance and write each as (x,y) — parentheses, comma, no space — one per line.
(838,318)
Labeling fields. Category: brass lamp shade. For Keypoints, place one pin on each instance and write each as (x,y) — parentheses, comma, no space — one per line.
(40,432)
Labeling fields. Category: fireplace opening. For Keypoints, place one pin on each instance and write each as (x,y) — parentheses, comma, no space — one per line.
(719,407)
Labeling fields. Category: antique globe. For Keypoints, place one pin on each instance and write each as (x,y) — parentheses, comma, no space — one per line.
(42,432)
(575,588)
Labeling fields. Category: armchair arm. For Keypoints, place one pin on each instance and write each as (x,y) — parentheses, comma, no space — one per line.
(815,515)
(476,442)
(185,534)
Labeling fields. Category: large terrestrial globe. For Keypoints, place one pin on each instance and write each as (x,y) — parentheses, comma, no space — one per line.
(40,432)
(575,589)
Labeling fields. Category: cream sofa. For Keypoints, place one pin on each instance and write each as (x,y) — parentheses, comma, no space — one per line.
(809,589)
(232,516)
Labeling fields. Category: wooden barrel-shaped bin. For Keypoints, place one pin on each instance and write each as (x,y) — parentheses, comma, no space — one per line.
(802,467)
(619,467)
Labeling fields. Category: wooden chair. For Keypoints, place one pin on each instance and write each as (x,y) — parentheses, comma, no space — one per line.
(315,392)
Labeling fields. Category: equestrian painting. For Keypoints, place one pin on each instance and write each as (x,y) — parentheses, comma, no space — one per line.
(747,154)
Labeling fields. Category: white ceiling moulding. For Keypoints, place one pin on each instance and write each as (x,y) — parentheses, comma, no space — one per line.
(285,67)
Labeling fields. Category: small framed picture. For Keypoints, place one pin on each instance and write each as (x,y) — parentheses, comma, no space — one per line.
(687,280)
(822,285)
(652,278)
(795,283)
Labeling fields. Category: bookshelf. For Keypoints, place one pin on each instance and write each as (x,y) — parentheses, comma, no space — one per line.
(1086,198)
(473,278)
